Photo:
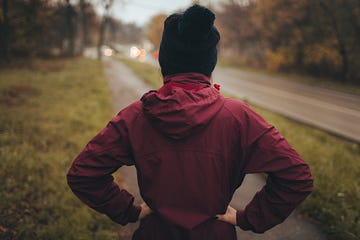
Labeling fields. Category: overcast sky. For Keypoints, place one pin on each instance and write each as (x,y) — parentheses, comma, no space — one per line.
(140,11)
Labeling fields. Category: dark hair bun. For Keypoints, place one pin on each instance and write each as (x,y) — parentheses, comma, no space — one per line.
(196,23)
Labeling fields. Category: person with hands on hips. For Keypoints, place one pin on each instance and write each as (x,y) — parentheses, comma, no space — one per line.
(192,148)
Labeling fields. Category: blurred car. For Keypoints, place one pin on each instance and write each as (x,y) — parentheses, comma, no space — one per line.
(107,51)
(140,54)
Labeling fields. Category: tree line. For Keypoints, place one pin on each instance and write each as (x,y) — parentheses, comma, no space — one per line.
(35,28)
(316,37)
(319,37)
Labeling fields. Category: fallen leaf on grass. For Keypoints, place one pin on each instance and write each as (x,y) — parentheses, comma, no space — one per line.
(3,229)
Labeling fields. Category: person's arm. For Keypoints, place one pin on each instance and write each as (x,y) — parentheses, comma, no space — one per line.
(288,183)
(90,176)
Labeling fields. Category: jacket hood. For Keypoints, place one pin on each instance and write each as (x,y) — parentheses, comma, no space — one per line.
(184,105)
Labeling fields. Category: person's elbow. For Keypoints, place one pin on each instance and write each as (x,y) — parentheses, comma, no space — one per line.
(305,184)
(72,177)
(308,185)
(79,177)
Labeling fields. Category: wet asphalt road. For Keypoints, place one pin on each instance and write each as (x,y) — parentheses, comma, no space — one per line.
(126,88)
(335,112)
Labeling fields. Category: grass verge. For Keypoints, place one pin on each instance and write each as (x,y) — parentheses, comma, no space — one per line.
(49,111)
(335,165)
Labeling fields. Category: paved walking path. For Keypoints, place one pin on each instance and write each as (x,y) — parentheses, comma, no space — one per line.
(126,88)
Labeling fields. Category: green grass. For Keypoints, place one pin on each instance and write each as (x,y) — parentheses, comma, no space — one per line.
(49,110)
(335,165)
(305,79)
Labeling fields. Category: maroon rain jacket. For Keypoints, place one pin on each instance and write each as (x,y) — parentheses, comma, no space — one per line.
(191,148)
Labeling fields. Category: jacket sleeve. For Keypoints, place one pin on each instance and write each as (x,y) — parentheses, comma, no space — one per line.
(90,176)
(289,180)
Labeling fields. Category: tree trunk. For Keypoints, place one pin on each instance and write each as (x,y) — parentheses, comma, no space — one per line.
(107,6)
(5,32)
(71,29)
(340,43)
(101,37)
(84,25)
(345,61)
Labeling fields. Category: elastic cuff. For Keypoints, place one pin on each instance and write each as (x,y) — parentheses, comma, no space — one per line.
(241,220)
(134,213)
